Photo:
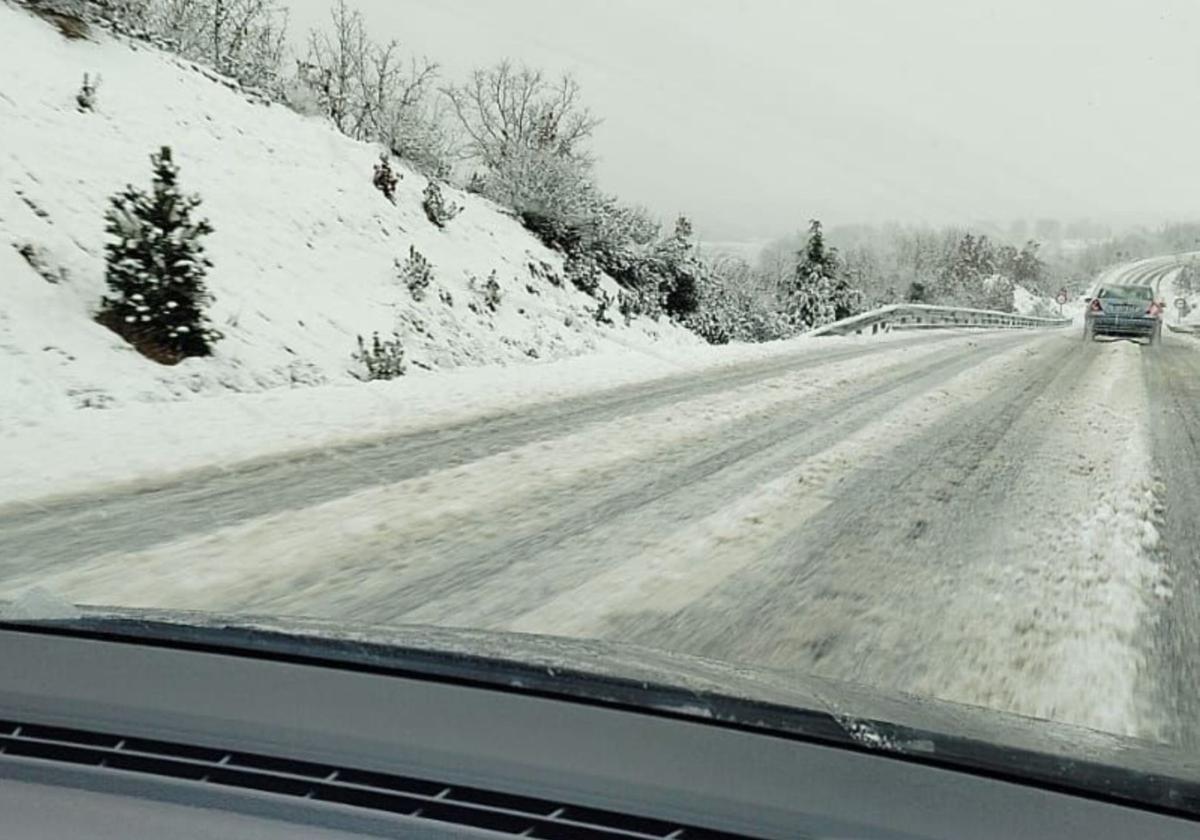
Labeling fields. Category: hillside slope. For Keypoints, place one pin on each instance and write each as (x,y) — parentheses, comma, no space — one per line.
(304,247)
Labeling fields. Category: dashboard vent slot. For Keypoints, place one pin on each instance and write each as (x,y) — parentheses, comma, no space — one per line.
(497,811)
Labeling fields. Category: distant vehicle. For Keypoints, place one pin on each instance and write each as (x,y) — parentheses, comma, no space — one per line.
(1125,312)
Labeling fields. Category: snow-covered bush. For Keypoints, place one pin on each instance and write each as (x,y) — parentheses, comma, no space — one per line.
(438,209)
(382,360)
(416,273)
(155,268)
(384,177)
(735,305)
(491,292)
(582,271)
(528,133)
(86,98)
(603,312)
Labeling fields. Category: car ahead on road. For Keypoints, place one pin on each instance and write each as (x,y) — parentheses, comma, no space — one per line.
(1124,312)
(130,724)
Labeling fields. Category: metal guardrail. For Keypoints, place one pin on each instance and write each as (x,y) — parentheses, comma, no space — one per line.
(915,316)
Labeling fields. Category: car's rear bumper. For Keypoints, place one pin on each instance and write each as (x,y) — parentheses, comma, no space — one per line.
(1113,325)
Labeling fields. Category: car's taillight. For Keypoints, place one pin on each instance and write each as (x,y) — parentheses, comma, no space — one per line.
(1096,307)
(1154,311)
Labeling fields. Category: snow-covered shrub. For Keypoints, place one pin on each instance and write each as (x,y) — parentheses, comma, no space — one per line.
(445,296)
(542,270)
(382,360)
(548,193)
(416,273)
(384,178)
(155,268)
(437,209)
(86,98)
(735,305)
(491,292)
(583,272)
(603,314)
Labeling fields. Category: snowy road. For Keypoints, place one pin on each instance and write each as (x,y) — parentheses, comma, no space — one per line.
(1003,519)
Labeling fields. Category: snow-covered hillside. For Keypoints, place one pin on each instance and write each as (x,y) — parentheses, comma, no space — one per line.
(304,247)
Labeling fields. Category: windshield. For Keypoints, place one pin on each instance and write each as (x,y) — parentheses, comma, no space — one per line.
(1134,293)
(763,334)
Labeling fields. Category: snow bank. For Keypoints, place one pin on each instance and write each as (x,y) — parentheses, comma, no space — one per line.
(69,451)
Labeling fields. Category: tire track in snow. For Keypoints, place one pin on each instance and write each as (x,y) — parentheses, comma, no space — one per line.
(933,572)
(833,496)
(381,534)
(130,519)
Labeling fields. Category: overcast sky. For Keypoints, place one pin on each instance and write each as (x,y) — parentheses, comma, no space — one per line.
(754,116)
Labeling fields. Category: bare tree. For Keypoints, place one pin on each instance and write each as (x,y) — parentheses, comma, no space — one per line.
(244,39)
(504,108)
(334,68)
(371,92)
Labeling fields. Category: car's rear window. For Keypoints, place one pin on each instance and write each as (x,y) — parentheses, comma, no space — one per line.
(1127,292)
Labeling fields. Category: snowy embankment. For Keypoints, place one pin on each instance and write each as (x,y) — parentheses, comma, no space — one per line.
(304,250)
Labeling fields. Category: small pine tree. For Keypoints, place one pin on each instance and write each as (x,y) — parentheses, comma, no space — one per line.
(416,273)
(384,178)
(156,267)
(86,98)
(383,360)
(681,270)
(491,292)
(437,209)
(477,185)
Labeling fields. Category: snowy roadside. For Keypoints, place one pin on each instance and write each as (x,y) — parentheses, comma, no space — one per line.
(1054,626)
(72,451)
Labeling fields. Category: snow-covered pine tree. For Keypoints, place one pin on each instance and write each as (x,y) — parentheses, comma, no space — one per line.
(821,294)
(681,269)
(155,268)
(438,210)
(86,98)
